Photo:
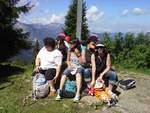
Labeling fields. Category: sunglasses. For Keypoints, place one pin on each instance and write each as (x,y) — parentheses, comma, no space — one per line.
(71,43)
(99,47)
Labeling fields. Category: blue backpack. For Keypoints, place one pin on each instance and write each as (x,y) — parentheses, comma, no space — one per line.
(70,85)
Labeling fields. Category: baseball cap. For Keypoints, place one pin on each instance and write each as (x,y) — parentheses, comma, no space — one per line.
(100,45)
(67,38)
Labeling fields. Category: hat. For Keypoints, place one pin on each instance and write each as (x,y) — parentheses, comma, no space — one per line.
(67,38)
(93,38)
(61,38)
(62,34)
(100,45)
(94,35)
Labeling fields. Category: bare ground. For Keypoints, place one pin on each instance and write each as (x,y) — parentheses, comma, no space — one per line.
(136,100)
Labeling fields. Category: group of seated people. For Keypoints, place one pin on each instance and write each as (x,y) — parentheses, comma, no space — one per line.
(90,62)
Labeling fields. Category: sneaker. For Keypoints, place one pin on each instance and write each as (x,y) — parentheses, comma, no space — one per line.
(58,97)
(113,95)
(76,98)
(52,92)
(91,92)
(86,91)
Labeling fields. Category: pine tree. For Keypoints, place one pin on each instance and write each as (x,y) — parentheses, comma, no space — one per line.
(12,40)
(36,49)
(71,18)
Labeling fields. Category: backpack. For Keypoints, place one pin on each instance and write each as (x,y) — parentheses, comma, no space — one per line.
(102,94)
(40,87)
(69,89)
(127,83)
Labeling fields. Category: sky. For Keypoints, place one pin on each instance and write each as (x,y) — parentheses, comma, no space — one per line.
(102,15)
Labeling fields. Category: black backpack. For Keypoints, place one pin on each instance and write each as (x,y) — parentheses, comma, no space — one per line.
(127,83)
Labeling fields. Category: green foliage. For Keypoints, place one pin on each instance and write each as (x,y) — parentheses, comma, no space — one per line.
(71,18)
(129,51)
(36,49)
(12,40)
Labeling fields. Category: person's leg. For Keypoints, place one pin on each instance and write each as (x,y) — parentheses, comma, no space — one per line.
(112,77)
(87,78)
(62,82)
(49,75)
(78,84)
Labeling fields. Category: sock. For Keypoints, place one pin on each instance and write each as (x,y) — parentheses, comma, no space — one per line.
(52,89)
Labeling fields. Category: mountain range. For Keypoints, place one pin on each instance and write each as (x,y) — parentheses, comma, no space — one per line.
(39,32)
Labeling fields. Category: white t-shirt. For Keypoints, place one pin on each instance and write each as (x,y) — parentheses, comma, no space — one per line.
(49,59)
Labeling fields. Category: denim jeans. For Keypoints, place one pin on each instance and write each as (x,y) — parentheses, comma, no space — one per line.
(87,74)
(67,72)
(111,76)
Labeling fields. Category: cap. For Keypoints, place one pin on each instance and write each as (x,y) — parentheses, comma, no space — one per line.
(62,34)
(67,38)
(100,45)
(93,38)
(94,35)
(61,38)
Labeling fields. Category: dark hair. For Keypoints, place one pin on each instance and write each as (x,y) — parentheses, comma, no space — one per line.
(49,42)
(61,38)
(77,42)
(91,39)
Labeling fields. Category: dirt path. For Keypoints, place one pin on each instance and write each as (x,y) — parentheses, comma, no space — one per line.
(136,100)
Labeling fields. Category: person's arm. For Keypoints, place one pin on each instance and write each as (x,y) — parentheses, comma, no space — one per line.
(58,62)
(78,54)
(37,64)
(58,68)
(68,59)
(83,56)
(93,70)
(108,65)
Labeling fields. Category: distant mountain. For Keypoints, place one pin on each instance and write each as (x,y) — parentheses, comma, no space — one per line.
(39,32)
(148,33)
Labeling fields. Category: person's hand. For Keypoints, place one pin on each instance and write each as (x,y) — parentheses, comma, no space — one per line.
(92,83)
(77,52)
(70,68)
(37,69)
(92,46)
(100,79)
(55,79)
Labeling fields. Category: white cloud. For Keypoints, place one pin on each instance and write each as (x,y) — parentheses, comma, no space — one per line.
(118,27)
(125,12)
(58,19)
(139,11)
(93,14)
(53,19)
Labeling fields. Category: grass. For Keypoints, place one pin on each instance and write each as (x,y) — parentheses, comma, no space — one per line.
(15,85)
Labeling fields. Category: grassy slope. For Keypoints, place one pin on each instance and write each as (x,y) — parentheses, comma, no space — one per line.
(15,85)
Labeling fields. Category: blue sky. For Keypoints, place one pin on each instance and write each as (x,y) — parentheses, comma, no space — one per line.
(103,15)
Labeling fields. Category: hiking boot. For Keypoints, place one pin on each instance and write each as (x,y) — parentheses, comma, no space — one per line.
(86,91)
(76,98)
(91,92)
(58,97)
